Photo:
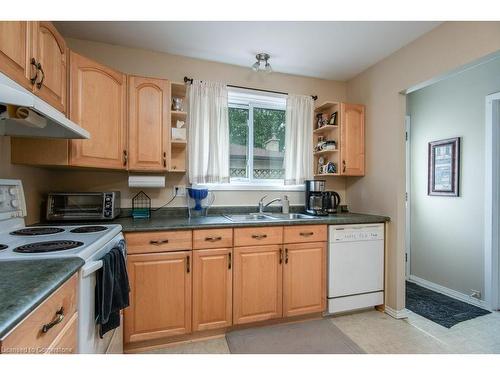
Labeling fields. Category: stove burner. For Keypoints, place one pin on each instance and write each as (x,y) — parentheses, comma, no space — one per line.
(88,229)
(47,246)
(3,247)
(38,231)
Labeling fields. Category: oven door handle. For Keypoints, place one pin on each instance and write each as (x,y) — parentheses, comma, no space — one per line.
(90,268)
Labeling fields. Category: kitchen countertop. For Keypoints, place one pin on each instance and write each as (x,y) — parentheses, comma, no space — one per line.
(25,284)
(163,222)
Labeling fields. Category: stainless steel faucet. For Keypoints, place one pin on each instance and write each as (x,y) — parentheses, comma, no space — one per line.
(262,205)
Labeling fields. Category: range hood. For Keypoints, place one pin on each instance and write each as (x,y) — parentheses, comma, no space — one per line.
(35,117)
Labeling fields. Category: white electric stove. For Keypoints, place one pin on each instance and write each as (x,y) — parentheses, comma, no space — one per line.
(88,242)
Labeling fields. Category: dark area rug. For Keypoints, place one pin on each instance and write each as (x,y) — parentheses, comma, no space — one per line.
(311,337)
(439,308)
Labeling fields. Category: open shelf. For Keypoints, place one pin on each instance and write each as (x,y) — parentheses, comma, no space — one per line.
(178,143)
(326,174)
(326,107)
(323,152)
(180,114)
(325,129)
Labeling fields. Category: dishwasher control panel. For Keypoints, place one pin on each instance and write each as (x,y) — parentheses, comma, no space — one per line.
(350,233)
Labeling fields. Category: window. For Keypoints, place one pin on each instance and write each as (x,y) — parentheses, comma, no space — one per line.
(257,137)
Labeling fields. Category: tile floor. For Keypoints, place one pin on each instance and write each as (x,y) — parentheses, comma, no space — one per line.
(376,332)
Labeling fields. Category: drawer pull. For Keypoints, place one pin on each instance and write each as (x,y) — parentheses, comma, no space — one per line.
(158,242)
(286,256)
(281,255)
(188,264)
(229,262)
(306,234)
(259,236)
(59,318)
(213,239)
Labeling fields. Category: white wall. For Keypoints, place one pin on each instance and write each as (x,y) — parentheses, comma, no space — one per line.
(447,233)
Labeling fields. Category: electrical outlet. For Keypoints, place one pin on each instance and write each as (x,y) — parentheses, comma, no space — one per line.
(475,294)
(181,190)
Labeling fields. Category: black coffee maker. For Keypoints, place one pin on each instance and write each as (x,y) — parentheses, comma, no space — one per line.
(314,199)
(331,202)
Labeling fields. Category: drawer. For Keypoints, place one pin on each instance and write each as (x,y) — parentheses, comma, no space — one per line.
(29,336)
(212,238)
(305,233)
(156,242)
(258,236)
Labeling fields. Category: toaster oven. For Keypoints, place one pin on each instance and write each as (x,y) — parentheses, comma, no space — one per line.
(83,206)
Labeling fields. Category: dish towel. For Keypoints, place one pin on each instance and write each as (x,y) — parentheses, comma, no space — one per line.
(112,289)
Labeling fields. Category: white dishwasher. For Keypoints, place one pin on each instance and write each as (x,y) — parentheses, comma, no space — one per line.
(355,267)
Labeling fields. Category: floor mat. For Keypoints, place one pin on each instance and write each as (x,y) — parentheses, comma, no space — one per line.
(311,337)
(439,308)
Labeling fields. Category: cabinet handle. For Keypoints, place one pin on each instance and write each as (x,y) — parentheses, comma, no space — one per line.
(286,256)
(281,256)
(229,262)
(259,236)
(39,84)
(343,166)
(34,64)
(188,264)
(213,239)
(59,318)
(125,157)
(164,159)
(306,234)
(158,242)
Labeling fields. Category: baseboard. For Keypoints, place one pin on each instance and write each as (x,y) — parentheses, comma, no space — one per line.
(448,292)
(396,314)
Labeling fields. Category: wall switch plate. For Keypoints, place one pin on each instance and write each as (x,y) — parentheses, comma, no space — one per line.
(181,190)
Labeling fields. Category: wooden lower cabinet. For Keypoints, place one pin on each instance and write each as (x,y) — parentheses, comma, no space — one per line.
(257,293)
(212,289)
(304,278)
(160,298)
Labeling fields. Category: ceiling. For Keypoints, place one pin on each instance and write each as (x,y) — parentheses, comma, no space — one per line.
(337,50)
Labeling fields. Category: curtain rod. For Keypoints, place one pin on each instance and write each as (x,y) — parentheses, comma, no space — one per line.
(190,80)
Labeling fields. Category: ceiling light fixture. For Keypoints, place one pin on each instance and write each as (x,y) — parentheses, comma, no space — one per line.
(262,63)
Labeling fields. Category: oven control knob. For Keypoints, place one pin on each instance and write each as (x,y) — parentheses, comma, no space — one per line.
(14,203)
(108,199)
(107,213)
(13,191)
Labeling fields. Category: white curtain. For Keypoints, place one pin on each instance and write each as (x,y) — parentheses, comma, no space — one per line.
(298,139)
(208,133)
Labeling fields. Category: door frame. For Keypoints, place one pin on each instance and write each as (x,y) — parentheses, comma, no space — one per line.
(492,202)
(408,198)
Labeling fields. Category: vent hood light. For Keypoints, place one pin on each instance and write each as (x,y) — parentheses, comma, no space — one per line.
(22,114)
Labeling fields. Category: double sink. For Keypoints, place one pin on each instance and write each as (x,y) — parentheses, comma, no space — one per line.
(268,217)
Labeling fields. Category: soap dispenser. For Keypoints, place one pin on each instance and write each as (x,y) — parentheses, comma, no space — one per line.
(285,205)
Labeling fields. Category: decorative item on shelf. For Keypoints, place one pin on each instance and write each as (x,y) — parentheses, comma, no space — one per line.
(320,121)
(321,162)
(319,146)
(177,104)
(330,145)
(321,138)
(141,206)
(179,132)
(328,168)
(333,119)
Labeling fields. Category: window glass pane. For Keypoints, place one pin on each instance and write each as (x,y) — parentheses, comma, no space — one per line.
(268,143)
(238,142)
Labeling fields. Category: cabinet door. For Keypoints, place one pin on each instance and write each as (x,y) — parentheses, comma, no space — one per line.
(352,144)
(149,123)
(257,287)
(304,280)
(212,289)
(51,52)
(98,104)
(15,51)
(160,303)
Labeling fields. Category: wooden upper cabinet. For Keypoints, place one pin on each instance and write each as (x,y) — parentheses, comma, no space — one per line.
(212,288)
(16,51)
(51,52)
(304,278)
(160,298)
(352,143)
(98,104)
(149,123)
(257,293)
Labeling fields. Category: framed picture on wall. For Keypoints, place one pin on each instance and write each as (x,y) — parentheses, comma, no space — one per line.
(444,167)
